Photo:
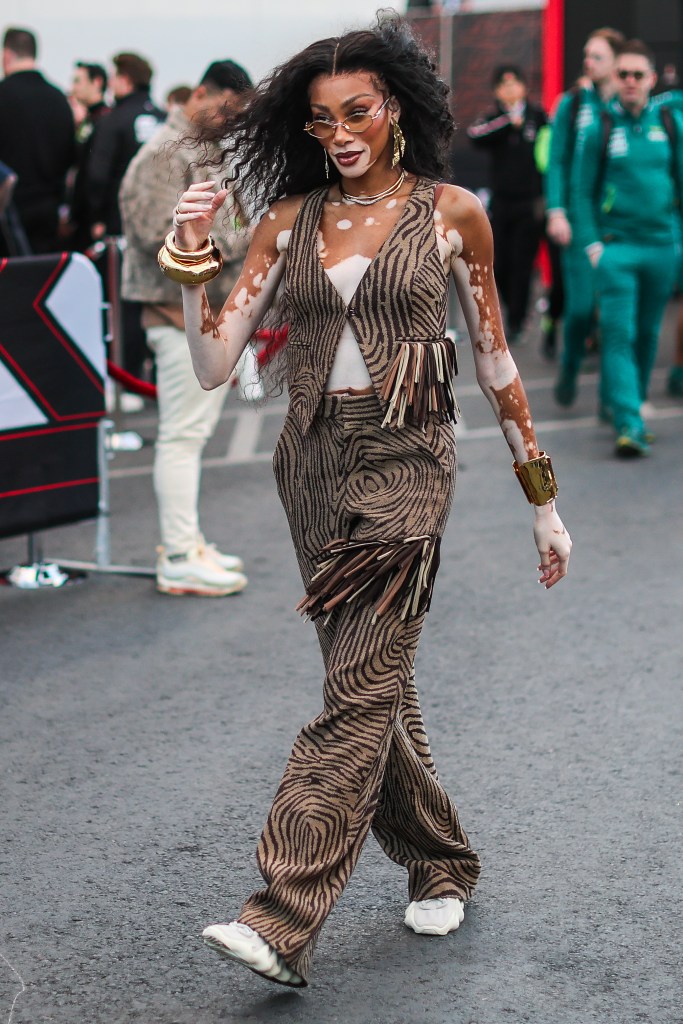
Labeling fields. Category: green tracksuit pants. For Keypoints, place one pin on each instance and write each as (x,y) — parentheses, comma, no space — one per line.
(578,278)
(634,284)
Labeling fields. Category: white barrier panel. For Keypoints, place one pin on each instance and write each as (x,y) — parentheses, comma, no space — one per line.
(52,370)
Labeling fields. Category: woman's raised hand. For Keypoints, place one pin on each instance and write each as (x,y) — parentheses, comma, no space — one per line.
(194,215)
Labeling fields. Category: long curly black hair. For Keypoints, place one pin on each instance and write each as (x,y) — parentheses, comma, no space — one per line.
(264,144)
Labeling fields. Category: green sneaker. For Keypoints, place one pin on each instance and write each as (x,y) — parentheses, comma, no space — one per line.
(674,384)
(631,446)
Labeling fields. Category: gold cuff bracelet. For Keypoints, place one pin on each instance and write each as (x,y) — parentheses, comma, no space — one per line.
(190,267)
(537,479)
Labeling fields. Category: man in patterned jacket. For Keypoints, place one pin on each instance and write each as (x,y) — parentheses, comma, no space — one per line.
(162,169)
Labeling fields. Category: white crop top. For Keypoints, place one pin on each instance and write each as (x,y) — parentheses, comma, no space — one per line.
(348,369)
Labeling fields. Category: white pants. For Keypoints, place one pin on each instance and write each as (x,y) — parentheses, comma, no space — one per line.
(188,416)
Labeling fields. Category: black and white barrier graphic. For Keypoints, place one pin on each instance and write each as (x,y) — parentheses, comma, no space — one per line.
(52,371)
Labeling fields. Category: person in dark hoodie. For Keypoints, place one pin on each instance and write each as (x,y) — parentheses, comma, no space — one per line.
(118,137)
(116,140)
(87,88)
(36,141)
(509,134)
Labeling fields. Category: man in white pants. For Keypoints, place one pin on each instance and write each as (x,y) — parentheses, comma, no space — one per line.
(162,169)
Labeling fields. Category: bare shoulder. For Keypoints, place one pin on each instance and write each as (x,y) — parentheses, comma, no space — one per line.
(284,212)
(460,208)
(462,212)
(273,230)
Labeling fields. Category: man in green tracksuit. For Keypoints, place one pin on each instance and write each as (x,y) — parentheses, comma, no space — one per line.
(576,111)
(625,198)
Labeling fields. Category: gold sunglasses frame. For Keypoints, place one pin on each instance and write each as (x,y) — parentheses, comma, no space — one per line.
(333,125)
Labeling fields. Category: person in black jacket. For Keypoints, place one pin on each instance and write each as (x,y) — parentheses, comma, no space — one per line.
(509,134)
(116,140)
(87,88)
(118,137)
(36,141)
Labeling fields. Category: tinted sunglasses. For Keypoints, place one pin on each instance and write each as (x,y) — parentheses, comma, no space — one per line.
(355,123)
(637,75)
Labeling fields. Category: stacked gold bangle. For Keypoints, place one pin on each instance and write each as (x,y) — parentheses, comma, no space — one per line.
(194,267)
(537,479)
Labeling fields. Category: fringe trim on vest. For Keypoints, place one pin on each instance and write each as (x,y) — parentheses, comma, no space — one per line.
(384,572)
(420,382)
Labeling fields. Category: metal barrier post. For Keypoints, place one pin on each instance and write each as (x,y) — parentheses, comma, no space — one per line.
(103,532)
(115,321)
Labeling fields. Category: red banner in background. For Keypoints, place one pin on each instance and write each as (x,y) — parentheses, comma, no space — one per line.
(553,52)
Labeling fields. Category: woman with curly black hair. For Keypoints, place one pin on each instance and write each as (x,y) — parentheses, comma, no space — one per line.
(346,144)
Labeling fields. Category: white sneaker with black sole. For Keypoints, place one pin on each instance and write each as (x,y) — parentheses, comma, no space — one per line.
(196,573)
(240,943)
(435,917)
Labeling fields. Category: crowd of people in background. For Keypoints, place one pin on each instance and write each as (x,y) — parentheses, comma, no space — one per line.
(106,162)
(599,182)
(602,182)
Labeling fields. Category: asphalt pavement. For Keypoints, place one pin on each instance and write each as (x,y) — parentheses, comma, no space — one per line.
(142,739)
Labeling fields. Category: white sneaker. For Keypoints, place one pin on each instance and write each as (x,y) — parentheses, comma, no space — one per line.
(242,944)
(196,573)
(435,917)
(130,402)
(230,562)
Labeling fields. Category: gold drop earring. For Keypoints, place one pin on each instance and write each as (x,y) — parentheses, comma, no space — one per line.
(399,143)
(327,165)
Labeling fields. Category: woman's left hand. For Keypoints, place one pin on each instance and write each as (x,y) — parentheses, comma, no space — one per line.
(554,545)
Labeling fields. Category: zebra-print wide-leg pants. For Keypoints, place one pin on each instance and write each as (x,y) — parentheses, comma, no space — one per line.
(364,761)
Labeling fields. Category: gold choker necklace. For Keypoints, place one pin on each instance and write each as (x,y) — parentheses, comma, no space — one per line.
(369,200)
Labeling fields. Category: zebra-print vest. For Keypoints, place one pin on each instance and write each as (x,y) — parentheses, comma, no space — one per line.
(398,315)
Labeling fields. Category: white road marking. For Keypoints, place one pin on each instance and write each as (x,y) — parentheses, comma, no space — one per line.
(243,448)
(550,426)
(21,982)
(245,437)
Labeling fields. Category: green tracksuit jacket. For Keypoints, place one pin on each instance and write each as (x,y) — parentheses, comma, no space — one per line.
(577,273)
(563,141)
(626,200)
(563,145)
(632,197)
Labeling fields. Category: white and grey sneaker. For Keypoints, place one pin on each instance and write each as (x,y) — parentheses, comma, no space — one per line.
(130,402)
(239,942)
(230,562)
(196,573)
(435,917)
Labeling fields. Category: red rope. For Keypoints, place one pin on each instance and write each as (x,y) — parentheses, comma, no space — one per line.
(131,383)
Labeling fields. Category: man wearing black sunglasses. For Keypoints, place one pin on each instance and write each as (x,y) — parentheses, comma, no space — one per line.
(627,192)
